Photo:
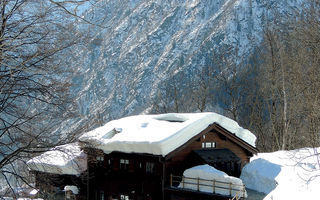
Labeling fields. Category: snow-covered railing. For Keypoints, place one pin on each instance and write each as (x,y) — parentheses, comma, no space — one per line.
(205,185)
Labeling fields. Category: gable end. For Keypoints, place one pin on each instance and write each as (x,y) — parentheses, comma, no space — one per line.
(224,133)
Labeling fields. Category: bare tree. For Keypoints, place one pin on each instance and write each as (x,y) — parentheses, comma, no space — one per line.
(174,96)
(229,78)
(35,36)
(286,96)
(307,35)
(202,89)
(278,88)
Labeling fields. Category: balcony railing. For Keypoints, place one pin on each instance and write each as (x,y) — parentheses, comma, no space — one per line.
(210,186)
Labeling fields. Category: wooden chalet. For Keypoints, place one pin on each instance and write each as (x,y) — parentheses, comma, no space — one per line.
(124,175)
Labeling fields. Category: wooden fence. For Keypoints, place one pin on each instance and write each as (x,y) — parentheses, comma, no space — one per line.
(229,188)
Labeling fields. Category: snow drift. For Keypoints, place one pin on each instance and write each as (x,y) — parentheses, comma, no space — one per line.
(284,174)
(206,175)
(74,189)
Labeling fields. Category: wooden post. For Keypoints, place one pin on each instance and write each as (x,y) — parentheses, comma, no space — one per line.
(182,181)
(213,186)
(198,184)
(88,180)
(244,190)
(170,180)
(163,177)
(230,191)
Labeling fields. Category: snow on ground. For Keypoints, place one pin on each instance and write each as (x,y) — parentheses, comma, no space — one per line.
(208,174)
(74,189)
(11,198)
(34,192)
(64,159)
(291,174)
(158,134)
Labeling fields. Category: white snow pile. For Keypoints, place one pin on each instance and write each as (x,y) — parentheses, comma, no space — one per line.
(206,175)
(64,159)
(33,192)
(11,198)
(291,174)
(158,134)
(74,189)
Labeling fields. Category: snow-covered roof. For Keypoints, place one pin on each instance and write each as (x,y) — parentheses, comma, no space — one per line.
(207,174)
(64,159)
(291,174)
(158,134)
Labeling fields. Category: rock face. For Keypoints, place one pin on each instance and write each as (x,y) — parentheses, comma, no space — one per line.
(145,43)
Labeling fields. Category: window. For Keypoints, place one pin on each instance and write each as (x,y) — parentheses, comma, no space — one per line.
(124,164)
(208,145)
(110,164)
(99,195)
(213,145)
(149,167)
(124,197)
(100,158)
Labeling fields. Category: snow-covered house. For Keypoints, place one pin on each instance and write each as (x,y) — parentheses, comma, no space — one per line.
(133,157)
(57,169)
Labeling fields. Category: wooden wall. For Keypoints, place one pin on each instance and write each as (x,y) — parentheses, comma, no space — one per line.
(134,181)
(179,160)
(223,142)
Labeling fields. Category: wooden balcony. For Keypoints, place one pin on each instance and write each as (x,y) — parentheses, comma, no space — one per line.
(184,187)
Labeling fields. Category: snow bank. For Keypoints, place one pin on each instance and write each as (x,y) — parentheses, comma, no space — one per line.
(158,134)
(284,174)
(34,192)
(11,198)
(74,189)
(207,174)
(29,199)
(64,159)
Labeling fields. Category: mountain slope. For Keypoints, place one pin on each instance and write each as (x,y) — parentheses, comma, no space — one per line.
(147,43)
